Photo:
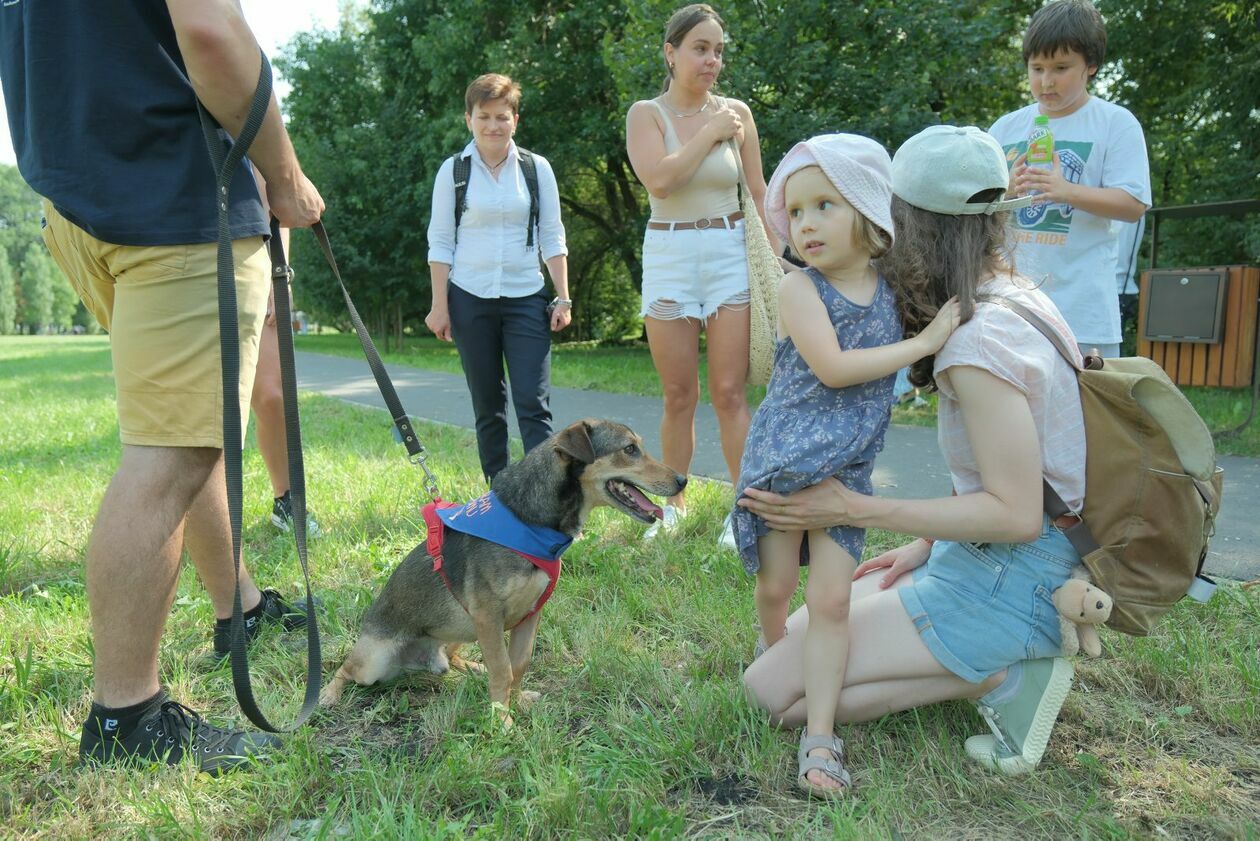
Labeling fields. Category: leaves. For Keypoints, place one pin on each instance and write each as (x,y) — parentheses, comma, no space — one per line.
(377,106)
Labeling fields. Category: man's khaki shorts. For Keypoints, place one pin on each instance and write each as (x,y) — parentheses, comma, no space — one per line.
(160,305)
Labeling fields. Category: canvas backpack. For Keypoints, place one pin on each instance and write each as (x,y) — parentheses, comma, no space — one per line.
(1152,485)
(462,171)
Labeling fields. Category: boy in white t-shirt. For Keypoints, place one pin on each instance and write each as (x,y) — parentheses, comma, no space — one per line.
(1066,239)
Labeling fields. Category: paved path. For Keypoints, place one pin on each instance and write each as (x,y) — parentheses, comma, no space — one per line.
(910,466)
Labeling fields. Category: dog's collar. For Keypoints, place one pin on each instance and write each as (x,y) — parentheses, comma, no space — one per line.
(488,518)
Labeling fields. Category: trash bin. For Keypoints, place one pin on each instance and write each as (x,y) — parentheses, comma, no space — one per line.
(1200,324)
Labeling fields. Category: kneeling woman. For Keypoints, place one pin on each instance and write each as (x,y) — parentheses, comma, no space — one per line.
(963,611)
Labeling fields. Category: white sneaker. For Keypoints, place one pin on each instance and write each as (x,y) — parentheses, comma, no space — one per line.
(668,523)
(727,540)
(1021,724)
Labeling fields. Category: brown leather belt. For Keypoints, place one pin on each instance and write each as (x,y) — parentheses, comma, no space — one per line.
(1063,522)
(724,222)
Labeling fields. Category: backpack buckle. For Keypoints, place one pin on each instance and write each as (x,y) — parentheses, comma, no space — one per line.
(1202,588)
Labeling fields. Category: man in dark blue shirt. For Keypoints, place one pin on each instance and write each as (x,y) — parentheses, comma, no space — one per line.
(101,101)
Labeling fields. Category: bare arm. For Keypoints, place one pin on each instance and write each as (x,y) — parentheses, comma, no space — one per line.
(663,174)
(1009,508)
(804,318)
(439,318)
(1108,202)
(223,62)
(558,268)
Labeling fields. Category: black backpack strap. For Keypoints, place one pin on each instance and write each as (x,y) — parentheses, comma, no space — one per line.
(529,167)
(461,172)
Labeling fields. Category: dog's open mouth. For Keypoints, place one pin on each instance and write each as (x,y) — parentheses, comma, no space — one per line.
(633,501)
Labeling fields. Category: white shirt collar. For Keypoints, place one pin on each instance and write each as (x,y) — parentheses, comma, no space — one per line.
(471,150)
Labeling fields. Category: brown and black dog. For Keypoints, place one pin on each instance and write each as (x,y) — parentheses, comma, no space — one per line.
(418,624)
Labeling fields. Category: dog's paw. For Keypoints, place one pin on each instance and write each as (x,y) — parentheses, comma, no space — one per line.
(469,666)
(331,695)
(502,715)
(439,664)
(526,698)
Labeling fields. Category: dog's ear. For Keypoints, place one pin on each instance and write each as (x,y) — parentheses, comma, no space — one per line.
(575,442)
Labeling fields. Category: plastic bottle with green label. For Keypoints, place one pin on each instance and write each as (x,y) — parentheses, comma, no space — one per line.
(1040,146)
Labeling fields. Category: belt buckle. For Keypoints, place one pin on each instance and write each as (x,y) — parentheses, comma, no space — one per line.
(703,224)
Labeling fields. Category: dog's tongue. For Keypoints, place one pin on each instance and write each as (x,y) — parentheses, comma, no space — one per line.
(642,501)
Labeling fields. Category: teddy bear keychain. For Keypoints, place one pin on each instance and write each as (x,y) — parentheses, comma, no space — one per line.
(1082,608)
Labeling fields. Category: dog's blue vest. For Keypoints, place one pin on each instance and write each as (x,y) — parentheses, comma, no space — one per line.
(489,519)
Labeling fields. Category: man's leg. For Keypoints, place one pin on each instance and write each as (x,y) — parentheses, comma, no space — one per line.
(267,403)
(160,308)
(208,536)
(133,564)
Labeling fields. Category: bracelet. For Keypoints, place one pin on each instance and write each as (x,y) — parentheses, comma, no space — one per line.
(568,302)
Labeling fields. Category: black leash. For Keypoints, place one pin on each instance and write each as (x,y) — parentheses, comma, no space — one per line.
(416,452)
(229,344)
(225,166)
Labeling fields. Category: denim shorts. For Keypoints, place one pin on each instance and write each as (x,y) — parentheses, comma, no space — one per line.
(981,607)
(690,274)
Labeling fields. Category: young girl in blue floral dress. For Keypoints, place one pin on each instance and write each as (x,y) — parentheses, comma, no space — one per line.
(827,405)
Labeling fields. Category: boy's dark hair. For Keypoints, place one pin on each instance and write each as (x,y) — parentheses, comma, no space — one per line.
(1067,25)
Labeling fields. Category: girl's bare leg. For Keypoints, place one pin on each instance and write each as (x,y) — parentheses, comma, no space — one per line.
(777,580)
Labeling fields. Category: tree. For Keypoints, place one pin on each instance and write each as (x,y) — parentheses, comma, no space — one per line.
(1189,70)
(20,215)
(8,299)
(36,278)
(377,106)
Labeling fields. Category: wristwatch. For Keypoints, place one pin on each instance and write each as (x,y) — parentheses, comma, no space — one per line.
(555,302)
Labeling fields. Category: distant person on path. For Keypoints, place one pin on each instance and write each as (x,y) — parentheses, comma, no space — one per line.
(964,610)
(1066,240)
(827,406)
(129,200)
(488,292)
(695,271)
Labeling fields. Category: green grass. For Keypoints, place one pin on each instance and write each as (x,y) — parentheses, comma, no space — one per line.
(641,731)
(627,369)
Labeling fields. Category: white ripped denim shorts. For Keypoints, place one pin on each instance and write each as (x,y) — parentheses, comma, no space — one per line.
(690,274)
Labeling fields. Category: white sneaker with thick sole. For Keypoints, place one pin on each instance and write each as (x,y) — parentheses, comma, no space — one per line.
(1021,724)
(671,517)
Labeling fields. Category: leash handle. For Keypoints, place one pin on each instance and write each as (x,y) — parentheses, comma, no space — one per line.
(416,453)
(225,166)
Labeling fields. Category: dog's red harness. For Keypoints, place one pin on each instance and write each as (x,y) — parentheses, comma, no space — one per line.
(437,536)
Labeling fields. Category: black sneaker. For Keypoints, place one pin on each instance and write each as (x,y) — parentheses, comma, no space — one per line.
(169,732)
(282,516)
(272,608)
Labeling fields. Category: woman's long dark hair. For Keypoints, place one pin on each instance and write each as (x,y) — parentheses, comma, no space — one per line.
(936,257)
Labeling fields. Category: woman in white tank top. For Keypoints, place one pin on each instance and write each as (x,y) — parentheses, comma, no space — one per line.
(682,147)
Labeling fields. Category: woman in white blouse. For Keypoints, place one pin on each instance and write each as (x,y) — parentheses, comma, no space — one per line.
(488,293)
